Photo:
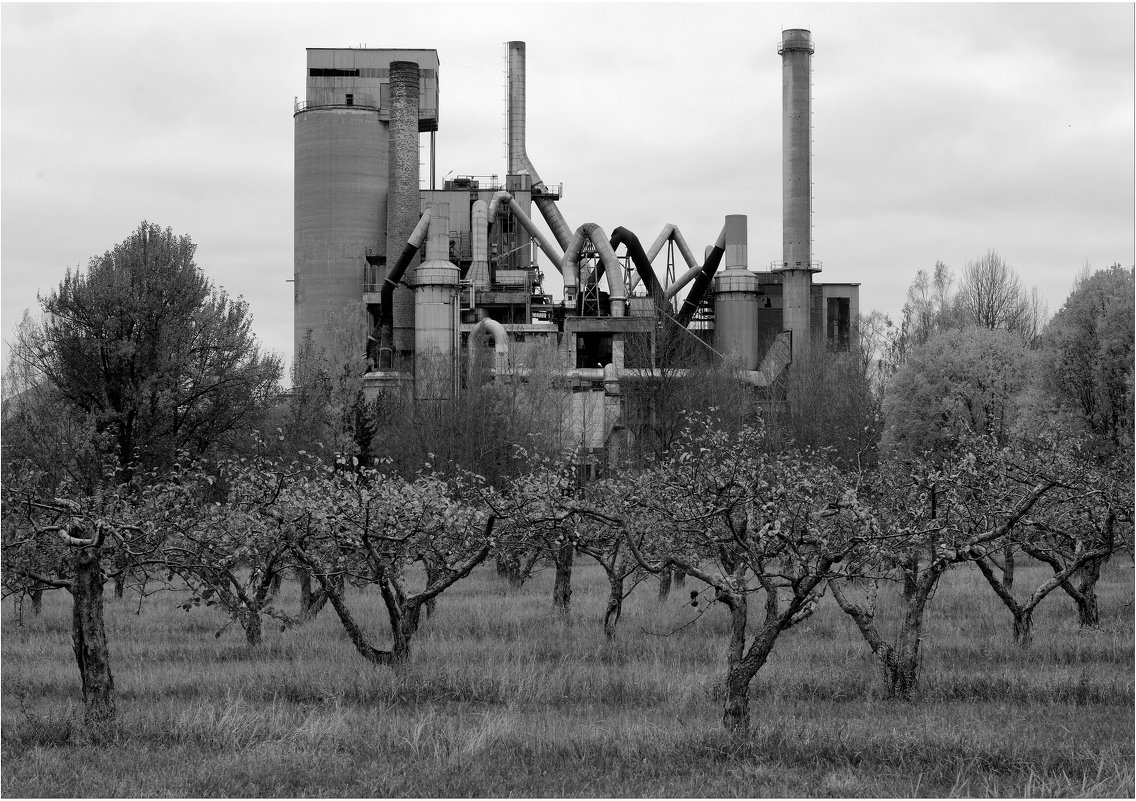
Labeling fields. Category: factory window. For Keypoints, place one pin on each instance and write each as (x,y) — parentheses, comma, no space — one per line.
(839,323)
(328,72)
(593,349)
(350,99)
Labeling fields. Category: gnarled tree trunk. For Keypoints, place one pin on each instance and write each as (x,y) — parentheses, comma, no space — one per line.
(1088,608)
(614,607)
(665,576)
(562,587)
(250,621)
(88,635)
(735,715)
(898,662)
(312,601)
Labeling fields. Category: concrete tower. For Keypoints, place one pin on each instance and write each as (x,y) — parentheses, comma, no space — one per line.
(342,173)
(735,298)
(403,204)
(797,264)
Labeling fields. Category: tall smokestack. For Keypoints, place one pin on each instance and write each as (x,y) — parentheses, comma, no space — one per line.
(516,108)
(518,156)
(403,198)
(796,51)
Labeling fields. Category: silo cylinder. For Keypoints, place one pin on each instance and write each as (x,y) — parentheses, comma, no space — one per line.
(735,298)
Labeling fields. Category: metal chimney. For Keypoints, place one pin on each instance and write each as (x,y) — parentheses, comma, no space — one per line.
(519,163)
(797,267)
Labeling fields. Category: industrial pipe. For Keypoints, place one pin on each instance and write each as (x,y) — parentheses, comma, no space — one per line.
(778,357)
(702,282)
(529,225)
(670,232)
(500,345)
(386,300)
(571,270)
(478,273)
(621,236)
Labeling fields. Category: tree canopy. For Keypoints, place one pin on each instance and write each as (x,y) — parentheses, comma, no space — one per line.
(960,381)
(146,348)
(1089,347)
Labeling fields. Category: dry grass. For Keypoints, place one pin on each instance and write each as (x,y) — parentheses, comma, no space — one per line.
(503,698)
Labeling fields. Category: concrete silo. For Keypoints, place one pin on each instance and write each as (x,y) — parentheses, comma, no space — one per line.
(342,181)
(736,299)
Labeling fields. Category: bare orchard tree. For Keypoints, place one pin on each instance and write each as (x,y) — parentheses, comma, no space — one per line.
(1089,521)
(348,525)
(932,515)
(602,537)
(228,564)
(755,526)
(62,542)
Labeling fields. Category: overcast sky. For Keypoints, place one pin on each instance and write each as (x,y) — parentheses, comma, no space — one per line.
(940,131)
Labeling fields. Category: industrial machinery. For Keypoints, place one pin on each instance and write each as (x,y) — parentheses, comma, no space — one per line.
(413,277)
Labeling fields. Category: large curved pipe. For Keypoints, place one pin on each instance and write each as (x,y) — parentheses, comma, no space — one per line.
(529,225)
(500,345)
(386,300)
(702,282)
(682,281)
(616,289)
(621,236)
(670,232)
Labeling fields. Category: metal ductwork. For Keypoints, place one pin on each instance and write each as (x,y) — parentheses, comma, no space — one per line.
(671,233)
(592,232)
(702,281)
(478,273)
(526,221)
(403,200)
(621,236)
(519,163)
(500,345)
(386,298)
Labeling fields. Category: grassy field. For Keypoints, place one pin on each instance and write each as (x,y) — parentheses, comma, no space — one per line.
(503,698)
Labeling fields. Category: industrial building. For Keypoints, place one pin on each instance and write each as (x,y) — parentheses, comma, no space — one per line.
(413,276)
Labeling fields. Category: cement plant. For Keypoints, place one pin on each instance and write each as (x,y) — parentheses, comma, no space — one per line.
(441,270)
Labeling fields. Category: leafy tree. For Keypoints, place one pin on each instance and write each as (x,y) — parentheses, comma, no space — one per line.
(145,347)
(1088,354)
(963,381)
(930,304)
